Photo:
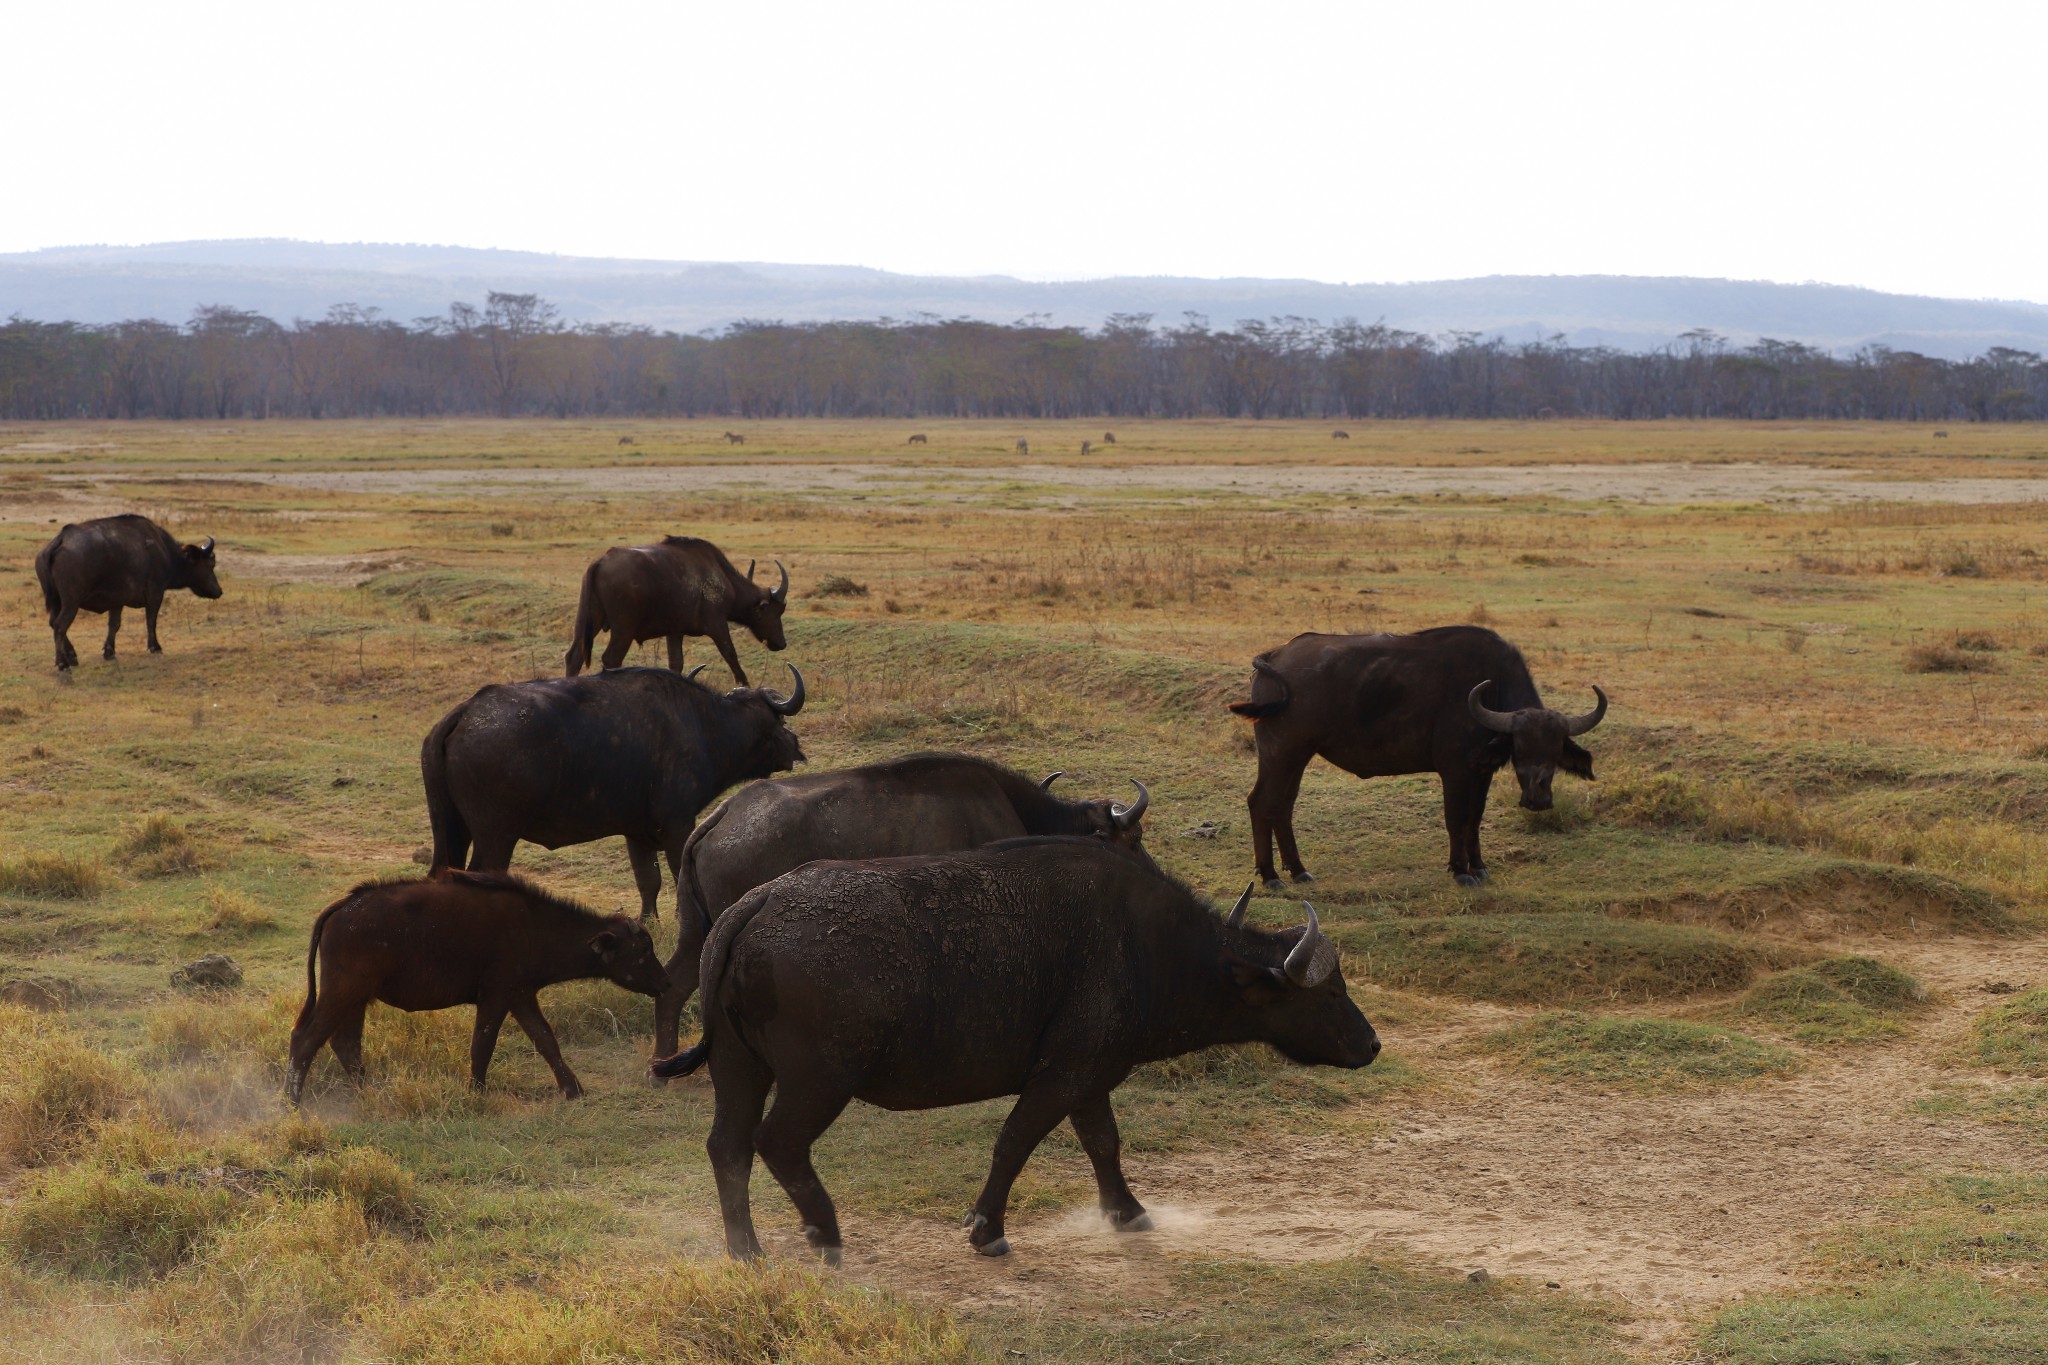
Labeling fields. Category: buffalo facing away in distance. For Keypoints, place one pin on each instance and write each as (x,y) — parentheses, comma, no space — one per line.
(459,938)
(1457,701)
(918,439)
(683,586)
(636,751)
(1047,969)
(922,803)
(115,562)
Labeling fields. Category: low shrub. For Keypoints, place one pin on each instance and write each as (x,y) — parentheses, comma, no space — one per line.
(1642,1054)
(160,847)
(231,912)
(839,585)
(50,876)
(1945,659)
(54,1097)
(113,1225)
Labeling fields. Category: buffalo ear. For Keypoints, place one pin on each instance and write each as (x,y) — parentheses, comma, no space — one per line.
(1253,977)
(605,943)
(1576,761)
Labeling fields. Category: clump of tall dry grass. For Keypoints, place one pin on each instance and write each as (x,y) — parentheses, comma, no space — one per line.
(54,1091)
(161,846)
(50,876)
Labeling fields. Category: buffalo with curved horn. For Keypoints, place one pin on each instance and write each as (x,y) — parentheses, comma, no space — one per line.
(682,586)
(115,562)
(919,804)
(1381,705)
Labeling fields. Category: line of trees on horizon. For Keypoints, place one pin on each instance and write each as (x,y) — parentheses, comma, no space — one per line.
(516,357)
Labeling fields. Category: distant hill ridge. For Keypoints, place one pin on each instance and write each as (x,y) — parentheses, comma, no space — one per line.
(284,279)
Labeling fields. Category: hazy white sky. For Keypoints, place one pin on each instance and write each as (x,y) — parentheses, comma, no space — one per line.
(1862,143)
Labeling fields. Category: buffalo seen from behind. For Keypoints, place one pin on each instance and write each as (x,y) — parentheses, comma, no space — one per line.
(636,751)
(1457,701)
(115,562)
(1048,969)
(682,586)
(922,803)
(458,938)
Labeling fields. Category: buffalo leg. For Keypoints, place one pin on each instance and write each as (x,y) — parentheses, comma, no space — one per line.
(741,1083)
(721,636)
(329,1018)
(492,852)
(803,1111)
(1095,1124)
(616,647)
(1038,1111)
(149,611)
(675,653)
(113,629)
(1272,810)
(490,1017)
(646,875)
(348,1043)
(682,984)
(60,626)
(542,1035)
(1464,808)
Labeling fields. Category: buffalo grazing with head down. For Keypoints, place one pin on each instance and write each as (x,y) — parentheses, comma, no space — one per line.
(115,562)
(922,803)
(1048,969)
(459,938)
(635,751)
(1457,701)
(683,586)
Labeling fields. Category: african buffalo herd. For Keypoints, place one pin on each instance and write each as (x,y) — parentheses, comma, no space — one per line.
(936,929)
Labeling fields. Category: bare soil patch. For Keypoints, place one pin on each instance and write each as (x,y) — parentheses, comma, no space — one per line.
(348,571)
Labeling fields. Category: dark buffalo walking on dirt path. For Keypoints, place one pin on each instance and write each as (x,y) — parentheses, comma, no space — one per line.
(921,803)
(1048,969)
(1457,701)
(459,938)
(683,586)
(636,751)
(115,562)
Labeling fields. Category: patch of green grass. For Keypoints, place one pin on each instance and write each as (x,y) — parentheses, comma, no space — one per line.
(114,1225)
(2014,1036)
(1836,1002)
(1641,1054)
(2024,1107)
(1948,1318)
(1241,1312)
(1554,959)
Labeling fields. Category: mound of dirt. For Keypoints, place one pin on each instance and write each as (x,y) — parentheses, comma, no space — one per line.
(1837,898)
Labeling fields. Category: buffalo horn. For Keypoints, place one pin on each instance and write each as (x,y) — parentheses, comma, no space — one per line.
(1313,959)
(1492,720)
(790,705)
(691,676)
(750,569)
(207,549)
(1051,778)
(1127,816)
(781,593)
(1578,725)
(1235,919)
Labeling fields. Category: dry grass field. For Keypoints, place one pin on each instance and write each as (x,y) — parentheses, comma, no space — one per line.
(1742,1055)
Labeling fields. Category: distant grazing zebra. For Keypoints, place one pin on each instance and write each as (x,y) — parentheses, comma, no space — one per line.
(1340,435)
(918,440)
(733,438)
(1023,447)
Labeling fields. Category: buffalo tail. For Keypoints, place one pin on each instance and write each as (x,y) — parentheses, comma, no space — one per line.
(312,957)
(451,835)
(589,620)
(46,574)
(684,1062)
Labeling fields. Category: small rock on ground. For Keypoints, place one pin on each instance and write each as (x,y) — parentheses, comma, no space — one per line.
(214,972)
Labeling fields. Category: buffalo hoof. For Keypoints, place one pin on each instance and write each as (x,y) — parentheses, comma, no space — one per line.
(1466,878)
(999,1247)
(1304,876)
(1275,884)
(1142,1223)
(974,1223)
(154,649)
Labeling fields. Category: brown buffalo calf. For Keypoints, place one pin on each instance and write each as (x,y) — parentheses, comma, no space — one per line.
(458,938)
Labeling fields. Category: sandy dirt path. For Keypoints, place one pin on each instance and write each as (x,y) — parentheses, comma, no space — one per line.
(1633,483)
